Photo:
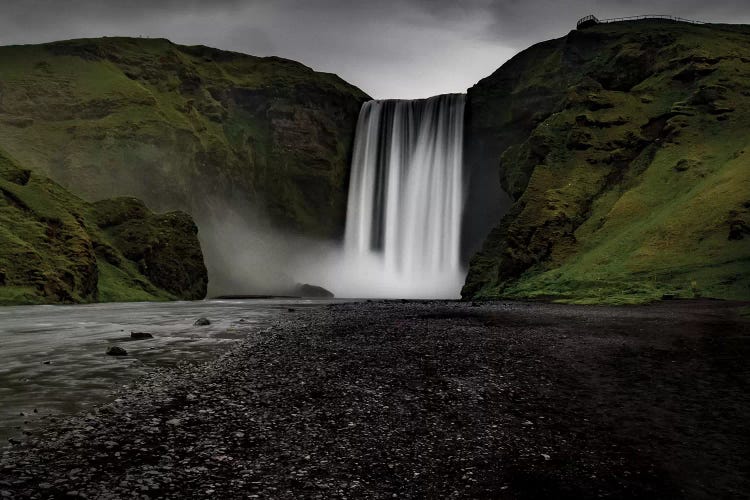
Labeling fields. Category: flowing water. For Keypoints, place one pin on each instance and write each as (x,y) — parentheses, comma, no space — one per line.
(403,224)
(53,361)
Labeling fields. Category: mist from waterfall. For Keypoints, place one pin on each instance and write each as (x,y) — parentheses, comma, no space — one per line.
(403,224)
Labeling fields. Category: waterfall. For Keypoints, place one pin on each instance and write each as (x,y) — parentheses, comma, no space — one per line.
(403,223)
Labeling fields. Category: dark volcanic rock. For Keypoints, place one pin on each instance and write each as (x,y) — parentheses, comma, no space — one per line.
(306,290)
(202,322)
(116,350)
(140,335)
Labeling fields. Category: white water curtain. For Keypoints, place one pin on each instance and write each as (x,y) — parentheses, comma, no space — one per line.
(403,225)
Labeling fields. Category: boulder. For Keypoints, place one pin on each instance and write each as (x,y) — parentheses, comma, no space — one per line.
(307,290)
(116,350)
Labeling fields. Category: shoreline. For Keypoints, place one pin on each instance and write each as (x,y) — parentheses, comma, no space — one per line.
(426,398)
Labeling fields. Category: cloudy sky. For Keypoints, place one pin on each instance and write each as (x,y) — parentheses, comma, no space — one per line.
(389,48)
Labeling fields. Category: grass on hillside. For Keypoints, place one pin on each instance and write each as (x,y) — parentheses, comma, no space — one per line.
(598,225)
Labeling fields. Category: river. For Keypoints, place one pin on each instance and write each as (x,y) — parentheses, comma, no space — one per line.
(53,359)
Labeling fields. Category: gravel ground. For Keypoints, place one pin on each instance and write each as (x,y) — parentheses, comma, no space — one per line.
(426,399)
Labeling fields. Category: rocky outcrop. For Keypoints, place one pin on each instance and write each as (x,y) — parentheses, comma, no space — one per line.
(188,128)
(622,147)
(164,246)
(57,248)
(312,291)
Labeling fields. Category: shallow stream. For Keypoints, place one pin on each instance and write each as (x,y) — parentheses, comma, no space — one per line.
(53,359)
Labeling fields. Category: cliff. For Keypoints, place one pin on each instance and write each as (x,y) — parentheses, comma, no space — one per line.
(189,128)
(57,248)
(624,148)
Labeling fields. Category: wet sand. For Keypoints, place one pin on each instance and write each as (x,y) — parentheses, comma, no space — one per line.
(434,399)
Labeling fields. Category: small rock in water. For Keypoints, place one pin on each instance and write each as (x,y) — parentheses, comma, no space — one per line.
(307,290)
(202,322)
(116,350)
(290,309)
(140,335)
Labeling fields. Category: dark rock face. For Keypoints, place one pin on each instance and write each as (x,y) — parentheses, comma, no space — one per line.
(306,290)
(609,142)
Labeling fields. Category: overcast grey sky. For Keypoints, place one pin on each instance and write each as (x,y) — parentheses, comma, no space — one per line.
(389,48)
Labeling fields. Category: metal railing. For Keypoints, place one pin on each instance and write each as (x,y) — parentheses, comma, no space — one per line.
(591,20)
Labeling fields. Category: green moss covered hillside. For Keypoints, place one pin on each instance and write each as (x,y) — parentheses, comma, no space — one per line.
(57,248)
(626,150)
(189,128)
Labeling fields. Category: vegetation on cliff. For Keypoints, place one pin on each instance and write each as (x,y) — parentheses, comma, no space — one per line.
(189,128)
(57,248)
(624,147)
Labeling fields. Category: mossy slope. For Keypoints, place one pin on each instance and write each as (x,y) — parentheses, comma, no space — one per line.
(57,248)
(189,128)
(625,148)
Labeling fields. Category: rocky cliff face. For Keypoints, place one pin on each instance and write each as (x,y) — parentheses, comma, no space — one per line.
(624,148)
(189,128)
(57,248)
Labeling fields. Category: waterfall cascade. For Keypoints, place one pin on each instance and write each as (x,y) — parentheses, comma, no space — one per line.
(403,224)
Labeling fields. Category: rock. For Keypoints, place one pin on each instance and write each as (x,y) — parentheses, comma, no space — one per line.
(140,335)
(738,229)
(307,290)
(116,350)
(290,309)
(202,322)
(159,253)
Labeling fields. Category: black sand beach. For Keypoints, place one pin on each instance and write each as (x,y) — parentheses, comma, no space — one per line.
(426,399)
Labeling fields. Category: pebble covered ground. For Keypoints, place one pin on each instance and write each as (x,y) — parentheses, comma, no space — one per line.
(425,399)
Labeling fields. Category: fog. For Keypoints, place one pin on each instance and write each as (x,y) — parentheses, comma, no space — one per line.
(245,255)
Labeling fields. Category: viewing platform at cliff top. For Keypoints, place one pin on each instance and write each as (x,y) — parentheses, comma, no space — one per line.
(592,20)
